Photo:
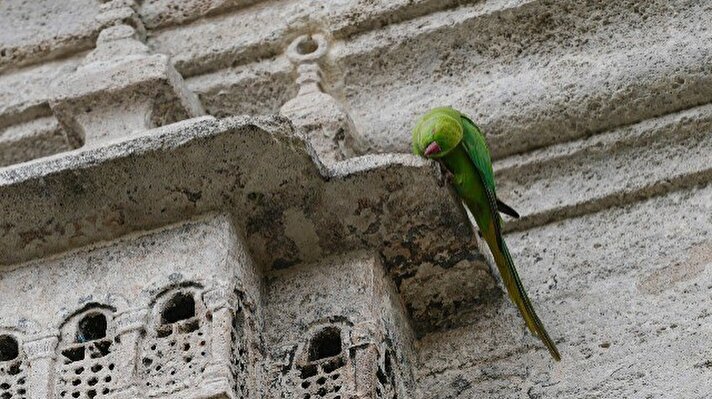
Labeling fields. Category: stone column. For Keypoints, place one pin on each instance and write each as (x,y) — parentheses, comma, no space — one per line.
(364,338)
(41,354)
(221,304)
(129,327)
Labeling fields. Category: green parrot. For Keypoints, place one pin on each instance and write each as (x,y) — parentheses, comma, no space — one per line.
(451,138)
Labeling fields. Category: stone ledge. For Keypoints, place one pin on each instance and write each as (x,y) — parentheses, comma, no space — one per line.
(164,13)
(290,209)
(23,93)
(39,31)
(37,138)
(628,164)
(80,26)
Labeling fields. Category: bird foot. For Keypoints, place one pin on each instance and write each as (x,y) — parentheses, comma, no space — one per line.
(447,175)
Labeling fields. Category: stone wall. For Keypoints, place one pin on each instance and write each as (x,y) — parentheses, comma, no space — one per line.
(154,242)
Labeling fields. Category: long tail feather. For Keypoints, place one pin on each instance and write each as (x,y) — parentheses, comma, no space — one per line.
(506,209)
(516,291)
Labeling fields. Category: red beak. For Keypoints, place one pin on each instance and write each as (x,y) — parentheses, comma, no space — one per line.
(433,148)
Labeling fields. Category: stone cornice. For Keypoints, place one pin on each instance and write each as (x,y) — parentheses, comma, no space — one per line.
(521,177)
(258,171)
(346,20)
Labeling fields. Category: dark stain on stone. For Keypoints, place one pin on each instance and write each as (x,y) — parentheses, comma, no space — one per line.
(32,235)
(311,202)
(71,182)
(459,384)
(265,219)
(331,234)
(192,196)
(256,197)
(453,258)
(401,275)
(707,364)
(288,367)
(282,263)
(7,226)
(372,228)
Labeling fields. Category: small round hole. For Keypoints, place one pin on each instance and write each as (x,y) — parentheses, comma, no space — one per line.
(307,46)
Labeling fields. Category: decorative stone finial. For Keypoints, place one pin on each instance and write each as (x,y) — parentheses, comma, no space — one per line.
(318,114)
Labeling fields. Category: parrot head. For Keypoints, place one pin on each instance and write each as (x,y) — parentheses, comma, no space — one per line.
(437,133)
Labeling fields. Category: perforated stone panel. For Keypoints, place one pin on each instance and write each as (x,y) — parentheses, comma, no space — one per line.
(127,329)
(339,319)
(88,354)
(175,353)
(87,370)
(323,379)
(13,379)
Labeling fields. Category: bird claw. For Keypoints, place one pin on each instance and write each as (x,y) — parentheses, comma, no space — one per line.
(446,174)
(449,177)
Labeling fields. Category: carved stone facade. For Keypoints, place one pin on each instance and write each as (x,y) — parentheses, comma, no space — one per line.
(156,243)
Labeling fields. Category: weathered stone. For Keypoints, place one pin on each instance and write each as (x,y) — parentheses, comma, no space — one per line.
(340,320)
(615,168)
(156,254)
(37,138)
(119,89)
(159,13)
(41,30)
(626,293)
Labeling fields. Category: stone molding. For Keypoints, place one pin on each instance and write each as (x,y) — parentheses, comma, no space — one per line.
(220,298)
(130,320)
(42,347)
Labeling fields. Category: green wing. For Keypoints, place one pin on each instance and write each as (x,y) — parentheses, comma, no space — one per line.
(478,152)
(476,146)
